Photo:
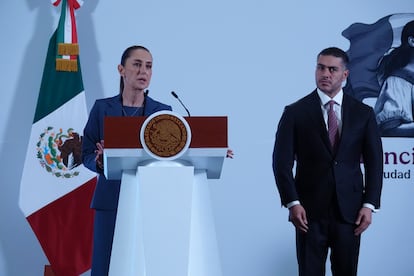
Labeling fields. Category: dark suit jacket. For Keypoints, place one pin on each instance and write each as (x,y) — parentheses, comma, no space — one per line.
(107,191)
(323,176)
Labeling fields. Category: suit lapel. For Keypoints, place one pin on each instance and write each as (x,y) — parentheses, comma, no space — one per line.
(115,106)
(349,117)
(346,118)
(317,118)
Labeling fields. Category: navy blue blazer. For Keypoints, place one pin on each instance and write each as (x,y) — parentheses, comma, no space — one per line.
(107,191)
(323,175)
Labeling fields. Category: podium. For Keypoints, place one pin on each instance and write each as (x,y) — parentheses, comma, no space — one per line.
(164,224)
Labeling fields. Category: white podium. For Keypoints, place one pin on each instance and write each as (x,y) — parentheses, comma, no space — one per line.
(165,225)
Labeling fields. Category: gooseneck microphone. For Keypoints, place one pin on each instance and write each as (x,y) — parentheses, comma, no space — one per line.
(176,96)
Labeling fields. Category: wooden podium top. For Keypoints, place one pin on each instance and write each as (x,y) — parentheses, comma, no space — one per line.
(125,151)
(206,132)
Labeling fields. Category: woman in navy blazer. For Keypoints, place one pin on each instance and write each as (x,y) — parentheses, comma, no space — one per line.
(135,71)
(330,201)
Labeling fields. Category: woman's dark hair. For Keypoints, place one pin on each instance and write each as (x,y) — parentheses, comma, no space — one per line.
(400,56)
(125,55)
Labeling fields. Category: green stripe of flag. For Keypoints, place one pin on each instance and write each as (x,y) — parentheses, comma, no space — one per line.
(60,31)
(57,87)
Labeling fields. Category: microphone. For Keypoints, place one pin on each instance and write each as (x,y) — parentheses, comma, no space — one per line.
(176,96)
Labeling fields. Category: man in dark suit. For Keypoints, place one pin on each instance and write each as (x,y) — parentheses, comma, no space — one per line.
(330,200)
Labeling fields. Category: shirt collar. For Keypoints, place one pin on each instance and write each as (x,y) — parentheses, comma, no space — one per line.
(325,98)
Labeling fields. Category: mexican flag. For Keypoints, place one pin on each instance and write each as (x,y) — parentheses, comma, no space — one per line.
(56,189)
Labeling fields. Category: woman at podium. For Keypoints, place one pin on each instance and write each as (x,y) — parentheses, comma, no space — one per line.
(135,72)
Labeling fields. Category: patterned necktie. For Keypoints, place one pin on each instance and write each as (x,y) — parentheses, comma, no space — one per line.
(332,125)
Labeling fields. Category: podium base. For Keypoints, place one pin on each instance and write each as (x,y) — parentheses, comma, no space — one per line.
(164,223)
(204,253)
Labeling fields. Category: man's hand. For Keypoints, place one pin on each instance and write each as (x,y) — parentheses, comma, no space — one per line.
(297,215)
(364,219)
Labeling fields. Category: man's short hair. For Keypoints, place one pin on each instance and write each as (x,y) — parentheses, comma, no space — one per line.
(336,52)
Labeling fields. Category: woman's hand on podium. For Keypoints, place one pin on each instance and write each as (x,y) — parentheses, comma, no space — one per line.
(99,154)
(230,153)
